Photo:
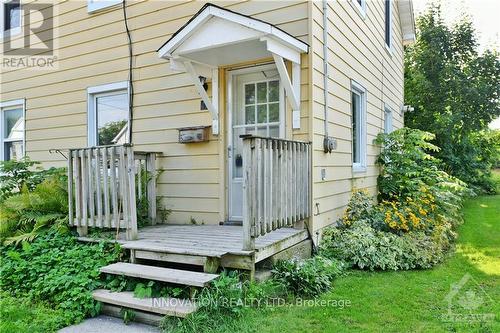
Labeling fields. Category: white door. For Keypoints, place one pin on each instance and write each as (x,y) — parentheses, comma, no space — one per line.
(256,106)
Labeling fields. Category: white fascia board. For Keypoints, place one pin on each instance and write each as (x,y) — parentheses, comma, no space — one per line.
(166,50)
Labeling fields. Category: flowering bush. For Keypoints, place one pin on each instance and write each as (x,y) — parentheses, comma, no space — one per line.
(419,206)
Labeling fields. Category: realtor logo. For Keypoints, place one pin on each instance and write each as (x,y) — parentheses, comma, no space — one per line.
(28,34)
(467,302)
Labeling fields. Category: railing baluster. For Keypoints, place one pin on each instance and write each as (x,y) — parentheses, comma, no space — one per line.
(90,188)
(105,181)
(97,171)
(70,187)
(83,163)
(114,187)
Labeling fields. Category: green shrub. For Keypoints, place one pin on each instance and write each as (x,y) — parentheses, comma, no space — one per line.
(364,247)
(309,277)
(55,268)
(26,214)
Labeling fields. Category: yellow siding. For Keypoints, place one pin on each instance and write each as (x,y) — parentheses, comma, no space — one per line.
(92,50)
(356,52)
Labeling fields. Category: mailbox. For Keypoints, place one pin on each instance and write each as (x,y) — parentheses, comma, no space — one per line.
(193,134)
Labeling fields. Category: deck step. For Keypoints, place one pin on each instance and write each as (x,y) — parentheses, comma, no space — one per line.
(162,305)
(170,275)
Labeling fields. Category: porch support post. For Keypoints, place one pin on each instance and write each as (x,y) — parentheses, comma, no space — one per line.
(248,203)
(214,111)
(292,88)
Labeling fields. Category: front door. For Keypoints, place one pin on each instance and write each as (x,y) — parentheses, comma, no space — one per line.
(256,106)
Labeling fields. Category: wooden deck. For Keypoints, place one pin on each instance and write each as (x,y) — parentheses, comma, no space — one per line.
(193,244)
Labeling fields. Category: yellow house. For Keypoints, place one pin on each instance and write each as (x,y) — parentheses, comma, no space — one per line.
(259,113)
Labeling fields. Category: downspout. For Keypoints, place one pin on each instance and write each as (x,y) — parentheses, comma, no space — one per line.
(328,143)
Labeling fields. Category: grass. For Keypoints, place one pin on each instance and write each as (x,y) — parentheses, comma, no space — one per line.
(19,315)
(410,301)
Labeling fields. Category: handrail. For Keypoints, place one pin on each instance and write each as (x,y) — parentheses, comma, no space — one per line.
(104,183)
(276,185)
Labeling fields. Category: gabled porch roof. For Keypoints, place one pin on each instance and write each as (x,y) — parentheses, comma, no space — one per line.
(215,37)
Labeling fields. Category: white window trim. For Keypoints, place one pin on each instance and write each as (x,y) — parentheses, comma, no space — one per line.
(360,8)
(11,32)
(95,6)
(5,106)
(360,90)
(389,46)
(92,94)
(388,116)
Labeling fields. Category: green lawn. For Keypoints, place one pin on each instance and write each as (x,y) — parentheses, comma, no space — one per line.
(19,315)
(412,301)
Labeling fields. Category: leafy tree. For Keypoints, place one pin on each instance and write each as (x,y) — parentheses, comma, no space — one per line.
(455,92)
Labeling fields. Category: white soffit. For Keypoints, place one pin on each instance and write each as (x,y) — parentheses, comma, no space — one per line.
(407,20)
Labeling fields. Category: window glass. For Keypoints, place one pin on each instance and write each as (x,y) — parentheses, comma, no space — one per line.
(12,14)
(112,119)
(388,22)
(13,124)
(12,134)
(356,105)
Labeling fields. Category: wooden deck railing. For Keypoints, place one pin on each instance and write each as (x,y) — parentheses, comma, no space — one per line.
(104,184)
(276,185)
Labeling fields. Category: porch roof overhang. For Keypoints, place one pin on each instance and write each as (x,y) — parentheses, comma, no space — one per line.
(216,37)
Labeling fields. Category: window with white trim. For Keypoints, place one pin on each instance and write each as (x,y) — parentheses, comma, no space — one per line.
(358,108)
(361,6)
(96,5)
(12,130)
(10,15)
(108,114)
(388,23)
(387,120)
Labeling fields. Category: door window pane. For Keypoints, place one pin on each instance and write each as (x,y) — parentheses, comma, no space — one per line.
(274,93)
(274,131)
(262,113)
(274,112)
(112,119)
(250,114)
(250,94)
(262,92)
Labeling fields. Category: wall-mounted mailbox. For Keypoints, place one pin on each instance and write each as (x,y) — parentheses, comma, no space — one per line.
(193,134)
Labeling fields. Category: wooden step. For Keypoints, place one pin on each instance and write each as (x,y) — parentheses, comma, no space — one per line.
(162,305)
(177,276)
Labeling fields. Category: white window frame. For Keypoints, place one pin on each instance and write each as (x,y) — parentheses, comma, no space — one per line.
(388,47)
(358,89)
(361,8)
(95,6)
(11,32)
(388,119)
(98,91)
(6,106)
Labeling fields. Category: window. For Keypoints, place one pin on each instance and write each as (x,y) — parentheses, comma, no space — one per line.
(10,16)
(361,6)
(358,105)
(12,130)
(96,5)
(388,120)
(108,114)
(388,23)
